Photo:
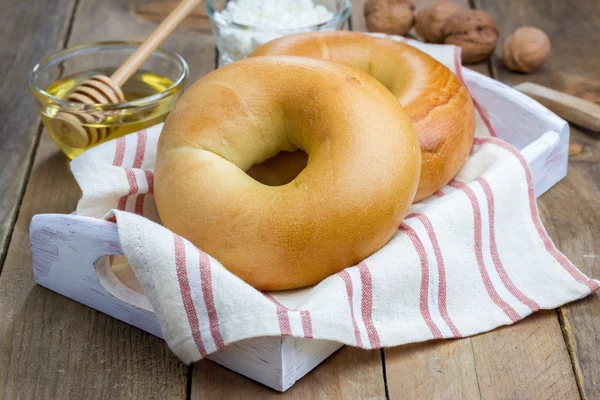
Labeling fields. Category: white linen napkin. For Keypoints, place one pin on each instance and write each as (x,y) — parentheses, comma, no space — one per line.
(470,258)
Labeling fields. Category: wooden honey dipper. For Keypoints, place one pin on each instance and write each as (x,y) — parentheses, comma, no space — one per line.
(100,89)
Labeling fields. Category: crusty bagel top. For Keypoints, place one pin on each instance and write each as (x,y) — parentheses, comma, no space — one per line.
(361,177)
(438,104)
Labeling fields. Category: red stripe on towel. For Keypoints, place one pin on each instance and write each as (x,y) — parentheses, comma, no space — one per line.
(480,110)
(209,299)
(282,316)
(306,324)
(139,201)
(304,316)
(139,204)
(119,152)
(138,161)
(489,285)
(424,295)
(117,162)
(367,304)
(458,66)
(140,149)
(349,291)
(441,272)
(558,256)
(150,179)
(133,188)
(508,283)
(184,287)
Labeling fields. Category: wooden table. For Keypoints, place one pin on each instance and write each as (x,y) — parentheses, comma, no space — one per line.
(52,347)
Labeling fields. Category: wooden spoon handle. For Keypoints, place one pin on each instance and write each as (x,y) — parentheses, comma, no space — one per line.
(154,40)
(571,108)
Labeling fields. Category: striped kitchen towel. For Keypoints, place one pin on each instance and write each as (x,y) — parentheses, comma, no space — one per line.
(470,258)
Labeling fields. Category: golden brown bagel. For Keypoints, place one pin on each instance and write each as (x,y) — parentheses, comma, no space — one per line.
(360,180)
(437,103)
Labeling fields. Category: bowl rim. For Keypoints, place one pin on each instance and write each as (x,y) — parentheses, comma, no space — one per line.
(144,101)
(339,18)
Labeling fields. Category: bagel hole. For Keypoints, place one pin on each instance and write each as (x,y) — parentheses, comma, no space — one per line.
(280,169)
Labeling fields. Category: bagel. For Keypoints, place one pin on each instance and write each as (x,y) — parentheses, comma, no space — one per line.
(438,104)
(361,176)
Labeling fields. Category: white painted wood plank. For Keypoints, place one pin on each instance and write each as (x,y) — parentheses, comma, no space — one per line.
(522,122)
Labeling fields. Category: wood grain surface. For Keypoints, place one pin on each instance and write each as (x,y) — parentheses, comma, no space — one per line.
(197,48)
(432,370)
(527,360)
(156,11)
(54,348)
(570,210)
(50,346)
(42,26)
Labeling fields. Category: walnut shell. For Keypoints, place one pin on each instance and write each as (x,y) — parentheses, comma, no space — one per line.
(430,21)
(526,49)
(474,31)
(394,17)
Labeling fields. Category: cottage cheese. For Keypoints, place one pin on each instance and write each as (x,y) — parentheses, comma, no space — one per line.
(269,17)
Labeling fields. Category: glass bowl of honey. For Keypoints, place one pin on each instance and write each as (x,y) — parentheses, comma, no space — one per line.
(149,93)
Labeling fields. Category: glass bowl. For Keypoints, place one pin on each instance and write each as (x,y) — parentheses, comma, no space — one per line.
(236,41)
(149,93)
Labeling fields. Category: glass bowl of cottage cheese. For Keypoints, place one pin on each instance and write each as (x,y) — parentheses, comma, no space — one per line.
(241,26)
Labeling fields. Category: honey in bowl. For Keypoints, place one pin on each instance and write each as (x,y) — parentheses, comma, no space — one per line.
(147,97)
(107,125)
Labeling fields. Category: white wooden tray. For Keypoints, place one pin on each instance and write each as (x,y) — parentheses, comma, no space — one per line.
(78,257)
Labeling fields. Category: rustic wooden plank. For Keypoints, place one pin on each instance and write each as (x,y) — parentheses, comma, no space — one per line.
(525,361)
(348,374)
(197,48)
(50,346)
(573,235)
(529,359)
(432,370)
(470,368)
(358,20)
(29,31)
(572,68)
(156,11)
(575,229)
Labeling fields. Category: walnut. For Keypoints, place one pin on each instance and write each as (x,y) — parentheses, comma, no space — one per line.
(575,149)
(394,17)
(474,31)
(526,49)
(429,21)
